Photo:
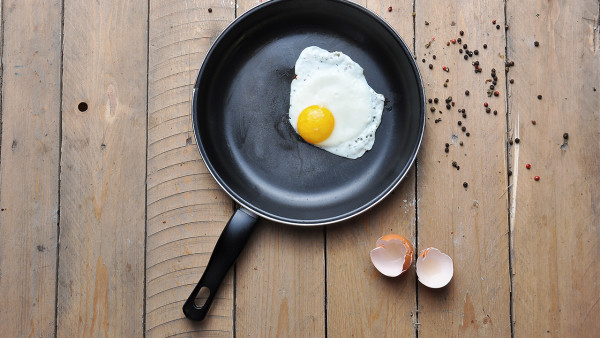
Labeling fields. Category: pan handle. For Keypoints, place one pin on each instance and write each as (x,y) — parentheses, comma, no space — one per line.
(228,247)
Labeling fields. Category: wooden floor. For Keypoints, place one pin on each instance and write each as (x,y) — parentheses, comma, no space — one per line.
(108,215)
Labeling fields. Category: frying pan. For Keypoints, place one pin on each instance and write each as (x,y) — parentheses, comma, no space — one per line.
(240,115)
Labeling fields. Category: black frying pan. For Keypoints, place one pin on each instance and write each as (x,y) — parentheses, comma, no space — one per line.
(240,113)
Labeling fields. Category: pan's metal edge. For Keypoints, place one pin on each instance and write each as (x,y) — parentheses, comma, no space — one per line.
(253,211)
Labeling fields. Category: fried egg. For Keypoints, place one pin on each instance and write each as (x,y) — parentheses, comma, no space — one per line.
(331,104)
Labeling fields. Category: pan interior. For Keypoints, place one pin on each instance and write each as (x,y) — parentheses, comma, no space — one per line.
(242,102)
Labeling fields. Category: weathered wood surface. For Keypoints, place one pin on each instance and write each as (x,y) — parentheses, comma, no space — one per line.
(470,224)
(556,220)
(103,161)
(186,209)
(29,166)
(140,214)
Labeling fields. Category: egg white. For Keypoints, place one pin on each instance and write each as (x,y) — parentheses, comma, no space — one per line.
(336,82)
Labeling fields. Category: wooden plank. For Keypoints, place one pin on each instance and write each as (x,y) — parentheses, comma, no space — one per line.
(361,301)
(29,166)
(280,277)
(186,208)
(469,224)
(103,161)
(555,220)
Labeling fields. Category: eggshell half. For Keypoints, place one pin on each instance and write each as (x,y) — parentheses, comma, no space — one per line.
(393,255)
(434,268)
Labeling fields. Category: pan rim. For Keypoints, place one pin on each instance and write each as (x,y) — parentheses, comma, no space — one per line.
(248,206)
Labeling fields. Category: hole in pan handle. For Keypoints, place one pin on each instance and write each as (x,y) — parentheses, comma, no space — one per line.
(228,247)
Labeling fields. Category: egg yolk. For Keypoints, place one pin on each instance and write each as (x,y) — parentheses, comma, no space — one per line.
(315,124)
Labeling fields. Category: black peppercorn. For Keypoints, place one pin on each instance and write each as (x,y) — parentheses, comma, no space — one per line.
(484,46)
(464,115)
(461,33)
(459,40)
(430,66)
(466,57)
(497,26)
(511,81)
(494,82)
(448,106)
(460,123)
(461,143)
(436,100)
(465,184)
(495,112)
(476,52)
(423,60)
(487,110)
(566,136)
(430,100)
(467,92)
(447,150)
(468,134)
(463,128)
(536,44)
(492,86)
(460,50)
(434,57)
(210,10)
(539,97)
(517,140)
(432,109)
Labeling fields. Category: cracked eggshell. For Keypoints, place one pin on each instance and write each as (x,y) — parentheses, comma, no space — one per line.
(434,268)
(393,255)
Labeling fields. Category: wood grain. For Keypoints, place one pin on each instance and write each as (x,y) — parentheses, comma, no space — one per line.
(29,166)
(186,209)
(469,224)
(361,301)
(280,278)
(102,187)
(555,220)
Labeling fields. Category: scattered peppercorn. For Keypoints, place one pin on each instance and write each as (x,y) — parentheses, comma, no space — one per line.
(566,136)
(494,82)
(447,150)
(460,123)
(434,57)
(461,33)
(533,122)
(445,84)
(536,44)
(453,40)
(476,52)
(537,178)
(467,92)
(448,106)
(390,9)
(485,104)
(430,66)
(466,57)
(210,10)
(468,134)
(465,184)
(484,46)
(464,115)
(432,109)
(436,100)
(497,26)
(459,40)
(511,81)
(510,142)
(463,128)
(461,143)
(491,86)
(448,43)
(517,140)
(423,60)
(528,166)
(539,97)
(426,23)
(493,22)
(495,112)
(430,100)
(496,93)
(488,110)
(460,51)
(447,145)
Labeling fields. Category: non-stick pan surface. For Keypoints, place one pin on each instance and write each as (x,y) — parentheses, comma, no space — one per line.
(240,111)
(241,105)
